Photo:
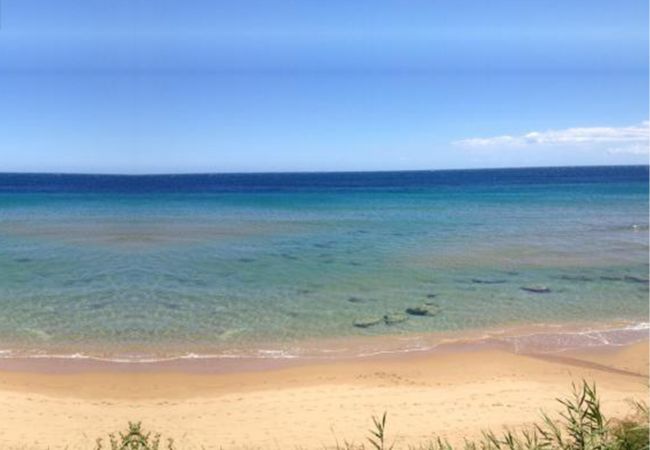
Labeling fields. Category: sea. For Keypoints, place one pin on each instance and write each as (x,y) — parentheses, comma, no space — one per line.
(282,265)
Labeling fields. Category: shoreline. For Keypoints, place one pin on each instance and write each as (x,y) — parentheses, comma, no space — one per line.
(453,394)
(523,339)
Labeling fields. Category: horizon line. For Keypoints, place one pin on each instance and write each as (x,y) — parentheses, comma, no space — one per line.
(308,172)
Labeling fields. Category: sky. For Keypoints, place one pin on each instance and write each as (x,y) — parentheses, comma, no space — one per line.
(144,86)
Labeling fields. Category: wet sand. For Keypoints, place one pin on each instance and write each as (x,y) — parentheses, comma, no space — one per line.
(310,404)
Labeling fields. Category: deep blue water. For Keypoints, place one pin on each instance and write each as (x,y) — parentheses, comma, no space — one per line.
(176,264)
(281,182)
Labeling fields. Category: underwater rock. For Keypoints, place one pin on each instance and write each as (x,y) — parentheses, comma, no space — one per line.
(576,278)
(487,281)
(636,279)
(393,319)
(368,322)
(424,310)
(169,305)
(99,305)
(610,278)
(536,289)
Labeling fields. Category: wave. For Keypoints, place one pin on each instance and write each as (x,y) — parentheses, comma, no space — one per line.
(571,340)
(547,338)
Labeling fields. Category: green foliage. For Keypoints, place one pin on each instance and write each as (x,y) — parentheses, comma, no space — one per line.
(582,426)
(632,433)
(134,439)
(378,434)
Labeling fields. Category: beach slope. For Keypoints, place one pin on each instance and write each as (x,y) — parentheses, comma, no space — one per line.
(454,395)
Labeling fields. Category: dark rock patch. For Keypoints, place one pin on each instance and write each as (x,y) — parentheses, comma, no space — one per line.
(356,299)
(424,310)
(487,281)
(536,289)
(576,278)
(611,278)
(168,305)
(367,322)
(635,279)
(98,305)
(394,319)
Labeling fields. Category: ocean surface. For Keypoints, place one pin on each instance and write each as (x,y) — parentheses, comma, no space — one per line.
(138,267)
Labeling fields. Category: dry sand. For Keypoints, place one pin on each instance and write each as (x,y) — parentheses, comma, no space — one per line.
(314,405)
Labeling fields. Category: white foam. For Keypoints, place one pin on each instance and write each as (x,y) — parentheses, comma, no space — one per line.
(541,341)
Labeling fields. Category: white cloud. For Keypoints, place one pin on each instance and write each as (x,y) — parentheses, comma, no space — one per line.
(634,139)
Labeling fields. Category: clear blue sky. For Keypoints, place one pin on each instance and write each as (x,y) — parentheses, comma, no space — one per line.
(136,86)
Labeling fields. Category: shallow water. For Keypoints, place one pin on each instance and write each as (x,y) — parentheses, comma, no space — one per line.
(170,265)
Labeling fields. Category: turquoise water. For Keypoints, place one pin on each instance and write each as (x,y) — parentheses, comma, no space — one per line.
(165,267)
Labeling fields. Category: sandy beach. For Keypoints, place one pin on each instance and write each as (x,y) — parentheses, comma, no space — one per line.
(314,405)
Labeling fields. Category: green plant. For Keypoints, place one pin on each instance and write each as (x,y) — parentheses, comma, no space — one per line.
(581,426)
(632,433)
(378,434)
(134,439)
